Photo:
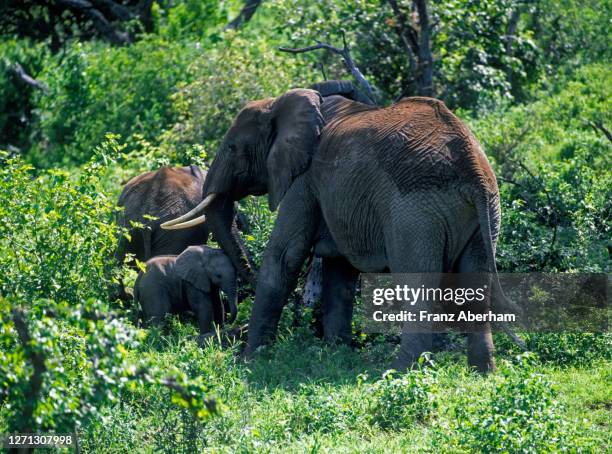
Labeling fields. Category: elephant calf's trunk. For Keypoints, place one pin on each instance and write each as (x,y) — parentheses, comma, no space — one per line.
(232,301)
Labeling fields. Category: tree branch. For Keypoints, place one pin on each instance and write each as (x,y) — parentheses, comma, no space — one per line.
(25,77)
(407,32)
(98,19)
(345,53)
(245,14)
(598,126)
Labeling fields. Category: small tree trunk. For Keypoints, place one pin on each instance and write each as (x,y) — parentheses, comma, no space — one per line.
(425,59)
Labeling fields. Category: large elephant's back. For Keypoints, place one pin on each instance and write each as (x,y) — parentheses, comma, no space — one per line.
(418,143)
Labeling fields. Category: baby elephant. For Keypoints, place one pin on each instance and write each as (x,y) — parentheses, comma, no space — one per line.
(191,280)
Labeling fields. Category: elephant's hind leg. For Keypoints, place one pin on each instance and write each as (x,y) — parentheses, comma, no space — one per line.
(419,253)
(473,261)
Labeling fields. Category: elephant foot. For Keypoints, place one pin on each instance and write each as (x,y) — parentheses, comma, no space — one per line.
(337,341)
(480,352)
(204,339)
(413,345)
(228,337)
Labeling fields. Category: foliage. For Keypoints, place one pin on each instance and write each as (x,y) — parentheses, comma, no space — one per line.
(562,349)
(64,352)
(168,99)
(96,89)
(16,97)
(55,234)
(84,353)
(236,71)
(476,61)
(398,402)
(190,18)
(555,180)
(522,415)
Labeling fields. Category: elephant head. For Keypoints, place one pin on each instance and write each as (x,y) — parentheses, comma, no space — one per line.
(269,144)
(209,270)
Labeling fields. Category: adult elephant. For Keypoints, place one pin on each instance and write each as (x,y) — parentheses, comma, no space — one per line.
(405,188)
(154,197)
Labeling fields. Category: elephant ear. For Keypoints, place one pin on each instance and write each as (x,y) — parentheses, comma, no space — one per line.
(297,123)
(196,172)
(190,267)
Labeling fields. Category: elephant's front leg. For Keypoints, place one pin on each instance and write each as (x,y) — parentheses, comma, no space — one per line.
(201,303)
(339,283)
(290,243)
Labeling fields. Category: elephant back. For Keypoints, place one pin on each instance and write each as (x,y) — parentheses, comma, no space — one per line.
(163,194)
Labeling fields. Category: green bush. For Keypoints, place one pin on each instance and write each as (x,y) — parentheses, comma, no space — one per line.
(316,409)
(553,168)
(562,349)
(64,352)
(521,415)
(399,401)
(237,70)
(17,99)
(190,18)
(57,238)
(97,89)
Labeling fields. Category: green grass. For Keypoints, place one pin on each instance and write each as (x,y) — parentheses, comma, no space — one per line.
(302,396)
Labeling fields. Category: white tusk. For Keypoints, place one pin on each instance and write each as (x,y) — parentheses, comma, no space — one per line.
(185,225)
(203,204)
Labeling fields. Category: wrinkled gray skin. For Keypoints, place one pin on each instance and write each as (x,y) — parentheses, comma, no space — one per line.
(165,194)
(405,189)
(189,281)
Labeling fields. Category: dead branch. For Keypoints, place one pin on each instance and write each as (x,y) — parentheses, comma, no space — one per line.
(345,53)
(25,77)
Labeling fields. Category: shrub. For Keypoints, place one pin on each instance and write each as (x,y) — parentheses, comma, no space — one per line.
(399,401)
(56,237)
(237,70)
(521,415)
(562,349)
(555,183)
(96,89)
(316,409)
(64,353)
(17,99)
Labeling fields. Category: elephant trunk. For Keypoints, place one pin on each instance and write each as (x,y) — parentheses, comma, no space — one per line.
(232,301)
(220,217)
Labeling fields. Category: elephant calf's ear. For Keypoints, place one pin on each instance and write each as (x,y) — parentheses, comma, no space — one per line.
(189,267)
(298,122)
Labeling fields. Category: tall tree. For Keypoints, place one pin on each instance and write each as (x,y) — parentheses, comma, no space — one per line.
(414,33)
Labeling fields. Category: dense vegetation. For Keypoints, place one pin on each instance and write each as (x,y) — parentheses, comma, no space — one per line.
(530,78)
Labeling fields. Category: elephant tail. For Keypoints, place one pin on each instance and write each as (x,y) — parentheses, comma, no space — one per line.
(487,206)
